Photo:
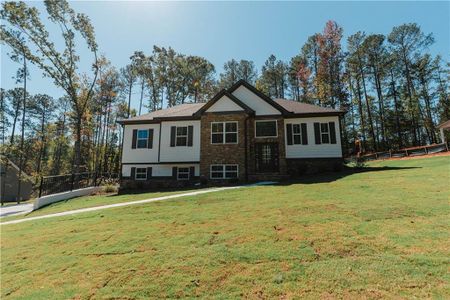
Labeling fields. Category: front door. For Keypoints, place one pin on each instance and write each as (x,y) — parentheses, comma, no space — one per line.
(266,155)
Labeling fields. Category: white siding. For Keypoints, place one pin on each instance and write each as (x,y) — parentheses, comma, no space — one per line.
(224,104)
(140,155)
(312,150)
(159,170)
(179,154)
(253,101)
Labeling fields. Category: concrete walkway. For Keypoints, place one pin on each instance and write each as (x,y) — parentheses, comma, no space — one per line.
(83,210)
(17,209)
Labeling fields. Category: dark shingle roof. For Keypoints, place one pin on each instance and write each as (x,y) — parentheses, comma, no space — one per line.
(188,110)
(182,110)
(305,108)
(445,125)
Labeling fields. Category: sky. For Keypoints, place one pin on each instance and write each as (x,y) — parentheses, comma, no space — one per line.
(220,31)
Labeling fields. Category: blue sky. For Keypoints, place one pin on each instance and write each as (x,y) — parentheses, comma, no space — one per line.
(220,31)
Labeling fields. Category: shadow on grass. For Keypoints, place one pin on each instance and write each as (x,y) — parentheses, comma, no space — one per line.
(158,190)
(305,179)
(333,176)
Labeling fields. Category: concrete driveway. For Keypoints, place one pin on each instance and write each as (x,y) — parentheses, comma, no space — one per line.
(17,209)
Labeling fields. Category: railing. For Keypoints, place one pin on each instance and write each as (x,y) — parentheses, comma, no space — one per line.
(412,151)
(63,183)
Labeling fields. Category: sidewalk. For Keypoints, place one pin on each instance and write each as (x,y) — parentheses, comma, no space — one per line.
(17,209)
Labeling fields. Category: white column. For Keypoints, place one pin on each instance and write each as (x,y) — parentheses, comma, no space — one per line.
(442,135)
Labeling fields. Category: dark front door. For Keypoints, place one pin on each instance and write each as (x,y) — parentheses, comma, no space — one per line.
(266,155)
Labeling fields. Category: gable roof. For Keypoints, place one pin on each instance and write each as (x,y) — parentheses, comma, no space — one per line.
(445,125)
(181,111)
(218,96)
(267,99)
(190,111)
(300,108)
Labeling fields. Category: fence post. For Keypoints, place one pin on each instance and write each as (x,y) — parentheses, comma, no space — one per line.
(390,153)
(426,150)
(406,151)
(40,186)
(72,182)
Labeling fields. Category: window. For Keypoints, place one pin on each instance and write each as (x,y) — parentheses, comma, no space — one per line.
(183,174)
(266,128)
(142,138)
(296,134)
(141,174)
(181,136)
(224,132)
(224,171)
(325,133)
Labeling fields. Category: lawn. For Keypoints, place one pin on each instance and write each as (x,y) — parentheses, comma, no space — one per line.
(382,233)
(91,201)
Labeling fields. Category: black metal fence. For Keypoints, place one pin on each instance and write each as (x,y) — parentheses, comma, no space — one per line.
(63,183)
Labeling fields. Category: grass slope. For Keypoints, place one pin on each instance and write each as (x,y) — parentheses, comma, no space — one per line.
(377,234)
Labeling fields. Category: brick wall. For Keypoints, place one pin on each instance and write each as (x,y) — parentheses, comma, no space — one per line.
(222,153)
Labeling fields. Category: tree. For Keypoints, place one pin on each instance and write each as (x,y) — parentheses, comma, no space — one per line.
(273,80)
(62,66)
(407,40)
(234,71)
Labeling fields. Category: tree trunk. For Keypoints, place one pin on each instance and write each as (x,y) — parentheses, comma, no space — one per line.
(369,113)
(397,116)
(19,184)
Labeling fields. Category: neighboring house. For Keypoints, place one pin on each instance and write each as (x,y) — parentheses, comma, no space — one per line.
(9,180)
(239,135)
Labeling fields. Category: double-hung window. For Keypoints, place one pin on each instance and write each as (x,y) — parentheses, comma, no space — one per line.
(141,174)
(266,129)
(325,133)
(181,136)
(224,132)
(224,171)
(142,138)
(296,134)
(183,174)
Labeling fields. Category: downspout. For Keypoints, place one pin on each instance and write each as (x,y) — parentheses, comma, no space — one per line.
(246,148)
(340,118)
(159,143)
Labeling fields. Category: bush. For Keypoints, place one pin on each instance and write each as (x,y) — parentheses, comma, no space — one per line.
(358,163)
(109,188)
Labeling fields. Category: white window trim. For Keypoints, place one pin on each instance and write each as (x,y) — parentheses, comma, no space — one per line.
(328,132)
(135,175)
(271,136)
(223,171)
(224,133)
(177,135)
(188,173)
(146,139)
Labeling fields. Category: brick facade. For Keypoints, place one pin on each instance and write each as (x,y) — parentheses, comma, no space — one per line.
(222,153)
(237,153)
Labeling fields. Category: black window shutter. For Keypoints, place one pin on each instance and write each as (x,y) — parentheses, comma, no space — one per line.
(133,142)
(317,132)
(289,133)
(190,135)
(150,139)
(332,133)
(149,173)
(191,172)
(133,173)
(304,134)
(173,131)
(174,172)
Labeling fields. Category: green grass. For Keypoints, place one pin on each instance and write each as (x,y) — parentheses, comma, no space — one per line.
(91,201)
(383,233)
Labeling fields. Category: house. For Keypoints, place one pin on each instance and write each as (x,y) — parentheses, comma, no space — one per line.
(239,135)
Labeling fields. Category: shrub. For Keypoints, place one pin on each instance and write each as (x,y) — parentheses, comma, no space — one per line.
(110,188)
